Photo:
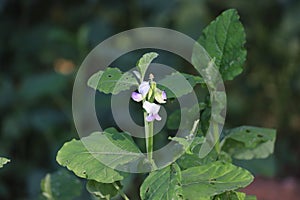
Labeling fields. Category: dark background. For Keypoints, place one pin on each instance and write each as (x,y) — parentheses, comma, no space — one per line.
(42,44)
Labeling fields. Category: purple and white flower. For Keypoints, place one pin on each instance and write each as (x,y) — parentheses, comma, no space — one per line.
(160,96)
(152,109)
(143,90)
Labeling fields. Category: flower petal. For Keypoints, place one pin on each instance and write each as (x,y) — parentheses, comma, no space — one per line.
(151,108)
(144,88)
(147,106)
(137,96)
(155,108)
(150,118)
(164,95)
(157,117)
(160,96)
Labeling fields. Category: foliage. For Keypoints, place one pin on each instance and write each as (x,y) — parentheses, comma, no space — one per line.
(224,40)
(112,81)
(3,161)
(191,176)
(162,184)
(44,42)
(102,190)
(60,185)
(212,179)
(249,142)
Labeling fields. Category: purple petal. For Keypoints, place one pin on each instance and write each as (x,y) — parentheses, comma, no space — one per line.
(158,98)
(150,118)
(164,95)
(137,96)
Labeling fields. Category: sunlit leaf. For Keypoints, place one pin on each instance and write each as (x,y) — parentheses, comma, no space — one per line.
(102,190)
(224,40)
(247,142)
(144,63)
(162,184)
(85,157)
(112,81)
(212,179)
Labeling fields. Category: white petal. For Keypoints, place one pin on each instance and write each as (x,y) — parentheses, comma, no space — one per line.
(144,88)
(151,108)
(160,96)
(157,117)
(155,108)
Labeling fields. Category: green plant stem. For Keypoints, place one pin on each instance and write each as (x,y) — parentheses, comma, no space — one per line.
(120,191)
(216,137)
(150,141)
(149,138)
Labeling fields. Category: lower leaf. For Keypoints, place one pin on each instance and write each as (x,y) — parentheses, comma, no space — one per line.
(60,185)
(102,190)
(212,179)
(162,184)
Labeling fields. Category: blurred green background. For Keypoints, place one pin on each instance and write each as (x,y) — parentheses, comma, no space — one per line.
(42,44)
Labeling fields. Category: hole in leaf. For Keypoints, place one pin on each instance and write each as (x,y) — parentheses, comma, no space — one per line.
(109,75)
(247,131)
(260,136)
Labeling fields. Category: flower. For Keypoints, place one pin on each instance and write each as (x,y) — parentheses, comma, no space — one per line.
(160,96)
(152,109)
(143,90)
(148,92)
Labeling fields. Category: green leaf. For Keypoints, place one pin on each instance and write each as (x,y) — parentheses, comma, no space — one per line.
(190,141)
(212,179)
(3,161)
(188,160)
(60,185)
(162,184)
(102,190)
(173,120)
(247,142)
(231,195)
(110,147)
(144,63)
(178,84)
(187,144)
(112,81)
(224,40)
